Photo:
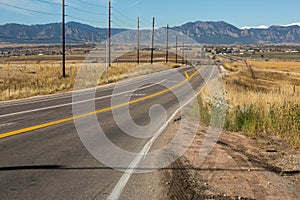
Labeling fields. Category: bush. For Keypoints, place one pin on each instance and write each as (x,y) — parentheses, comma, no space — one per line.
(283,121)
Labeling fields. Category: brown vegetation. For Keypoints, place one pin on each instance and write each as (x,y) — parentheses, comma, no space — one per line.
(19,79)
(263,98)
(267,103)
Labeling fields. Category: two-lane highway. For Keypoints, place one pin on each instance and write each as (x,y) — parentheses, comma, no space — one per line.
(42,156)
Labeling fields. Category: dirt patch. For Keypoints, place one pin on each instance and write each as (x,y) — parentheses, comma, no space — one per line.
(186,183)
(237,168)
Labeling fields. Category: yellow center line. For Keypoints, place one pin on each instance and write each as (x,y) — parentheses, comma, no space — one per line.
(187,75)
(33,128)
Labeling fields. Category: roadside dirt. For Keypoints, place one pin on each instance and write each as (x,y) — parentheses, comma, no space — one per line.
(237,168)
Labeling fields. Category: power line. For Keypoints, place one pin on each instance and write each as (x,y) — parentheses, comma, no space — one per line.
(85,11)
(72,7)
(92,4)
(147,27)
(30,10)
(159,25)
(120,13)
(123,22)
(117,24)
(142,22)
(159,22)
(48,2)
(86,20)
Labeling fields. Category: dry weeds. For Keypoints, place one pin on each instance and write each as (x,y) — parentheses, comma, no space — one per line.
(267,103)
(263,98)
(26,79)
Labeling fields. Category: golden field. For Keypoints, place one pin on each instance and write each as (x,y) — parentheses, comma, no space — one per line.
(273,82)
(264,96)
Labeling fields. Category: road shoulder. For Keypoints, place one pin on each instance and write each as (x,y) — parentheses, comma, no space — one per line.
(237,168)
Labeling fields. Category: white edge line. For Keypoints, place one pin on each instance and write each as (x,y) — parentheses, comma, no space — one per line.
(117,191)
(84,101)
(35,99)
(67,104)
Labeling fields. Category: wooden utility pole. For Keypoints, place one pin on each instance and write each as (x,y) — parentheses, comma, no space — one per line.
(152,45)
(176,49)
(109,33)
(183,53)
(108,42)
(167,48)
(138,41)
(63,40)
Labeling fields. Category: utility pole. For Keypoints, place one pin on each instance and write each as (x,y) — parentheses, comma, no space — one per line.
(108,43)
(183,53)
(186,58)
(63,41)
(152,45)
(167,49)
(176,49)
(138,40)
(109,33)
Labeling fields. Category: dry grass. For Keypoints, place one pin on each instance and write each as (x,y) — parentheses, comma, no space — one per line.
(267,103)
(263,98)
(274,82)
(121,71)
(20,80)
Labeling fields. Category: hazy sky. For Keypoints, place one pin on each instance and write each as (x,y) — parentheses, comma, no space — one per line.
(174,12)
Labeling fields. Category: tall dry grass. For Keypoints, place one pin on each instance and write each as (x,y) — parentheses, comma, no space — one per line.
(18,80)
(267,103)
(21,80)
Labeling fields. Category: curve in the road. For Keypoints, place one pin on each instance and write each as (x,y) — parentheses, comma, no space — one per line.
(36,127)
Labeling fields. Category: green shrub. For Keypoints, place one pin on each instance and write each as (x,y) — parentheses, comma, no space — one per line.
(282,121)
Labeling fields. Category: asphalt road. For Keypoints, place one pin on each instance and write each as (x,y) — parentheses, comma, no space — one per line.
(42,156)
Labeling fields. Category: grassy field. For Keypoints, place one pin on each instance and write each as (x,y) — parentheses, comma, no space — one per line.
(263,98)
(21,79)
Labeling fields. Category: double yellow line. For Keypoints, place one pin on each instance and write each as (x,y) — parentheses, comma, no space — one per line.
(33,128)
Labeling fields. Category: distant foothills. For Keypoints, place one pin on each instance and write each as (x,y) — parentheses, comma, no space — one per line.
(202,32)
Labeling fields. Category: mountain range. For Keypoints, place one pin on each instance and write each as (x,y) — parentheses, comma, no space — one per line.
(202,32)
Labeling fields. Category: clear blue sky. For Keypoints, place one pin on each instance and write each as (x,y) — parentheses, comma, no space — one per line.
(175,12)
